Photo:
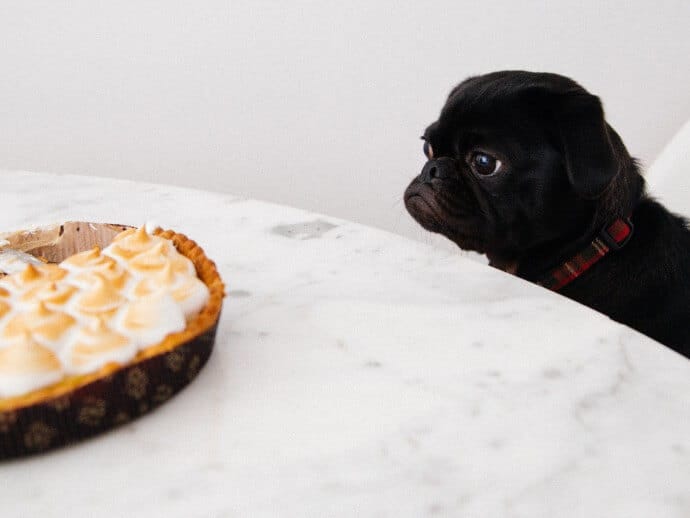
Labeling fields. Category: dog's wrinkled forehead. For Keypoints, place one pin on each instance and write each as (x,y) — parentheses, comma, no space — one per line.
(509,100)
(508,86)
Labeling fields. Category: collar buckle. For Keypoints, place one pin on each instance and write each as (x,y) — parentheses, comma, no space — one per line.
(616,235)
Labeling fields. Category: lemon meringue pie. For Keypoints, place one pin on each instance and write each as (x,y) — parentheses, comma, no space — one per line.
(63,326)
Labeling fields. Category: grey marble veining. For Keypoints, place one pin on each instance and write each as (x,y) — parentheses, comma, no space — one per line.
(358,373)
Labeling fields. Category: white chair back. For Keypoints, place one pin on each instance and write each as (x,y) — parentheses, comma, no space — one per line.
(668,178)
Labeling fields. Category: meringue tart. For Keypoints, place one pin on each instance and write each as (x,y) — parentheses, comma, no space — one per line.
(109,323)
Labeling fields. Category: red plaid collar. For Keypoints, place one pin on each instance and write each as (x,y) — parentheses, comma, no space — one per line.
(612,237)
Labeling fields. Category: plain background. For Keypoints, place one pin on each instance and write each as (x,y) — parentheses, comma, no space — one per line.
(314,104)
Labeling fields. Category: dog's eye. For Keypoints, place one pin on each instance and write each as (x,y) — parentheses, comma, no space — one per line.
(485,164)
(428,151)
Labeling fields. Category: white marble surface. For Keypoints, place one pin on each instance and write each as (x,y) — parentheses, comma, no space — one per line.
(358,373)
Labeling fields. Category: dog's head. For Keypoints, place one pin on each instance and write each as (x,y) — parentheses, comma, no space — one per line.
(516,160)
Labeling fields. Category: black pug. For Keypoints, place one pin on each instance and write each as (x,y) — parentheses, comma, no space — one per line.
(523,167)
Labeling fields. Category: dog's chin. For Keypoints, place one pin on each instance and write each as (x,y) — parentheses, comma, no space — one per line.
(422,205)
(425,211)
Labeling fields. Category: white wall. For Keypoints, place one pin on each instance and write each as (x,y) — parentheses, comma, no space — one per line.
(312,104)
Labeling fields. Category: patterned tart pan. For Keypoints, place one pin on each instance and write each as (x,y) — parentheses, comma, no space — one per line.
(82,406)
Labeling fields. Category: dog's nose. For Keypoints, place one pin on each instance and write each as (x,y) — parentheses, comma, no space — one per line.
(440,168)
(430,170)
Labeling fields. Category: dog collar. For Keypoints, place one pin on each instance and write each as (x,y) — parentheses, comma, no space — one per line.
(611,238)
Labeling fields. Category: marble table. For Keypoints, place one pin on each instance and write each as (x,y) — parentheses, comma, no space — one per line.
(359,373)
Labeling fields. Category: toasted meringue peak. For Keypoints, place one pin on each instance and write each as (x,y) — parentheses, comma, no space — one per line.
(4,308)
(46,272)
(29,274)
(133,235)
(181,264)
(52,272)
(112,272)
(95,326)
(4,292)
(152,260)
(32,275)
(167,275)
(131,243)
(44,324)
(141,235)
(85,265)
(89,259)
(42,311)
(26,365)
(162,279)
(96,345)
(145,287)
(53,293)
(191,294)
(25,355)
(101,297)
(150,319)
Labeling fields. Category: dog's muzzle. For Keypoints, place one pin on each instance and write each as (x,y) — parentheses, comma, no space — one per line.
(421,197)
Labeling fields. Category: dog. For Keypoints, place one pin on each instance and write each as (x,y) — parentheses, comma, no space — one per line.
(522,167)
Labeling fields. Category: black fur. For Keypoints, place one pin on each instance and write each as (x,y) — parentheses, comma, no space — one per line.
(565,175)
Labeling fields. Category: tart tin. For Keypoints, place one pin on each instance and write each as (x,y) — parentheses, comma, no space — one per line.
(83,406)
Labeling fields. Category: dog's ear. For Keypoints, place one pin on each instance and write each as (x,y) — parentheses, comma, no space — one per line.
(590,158)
